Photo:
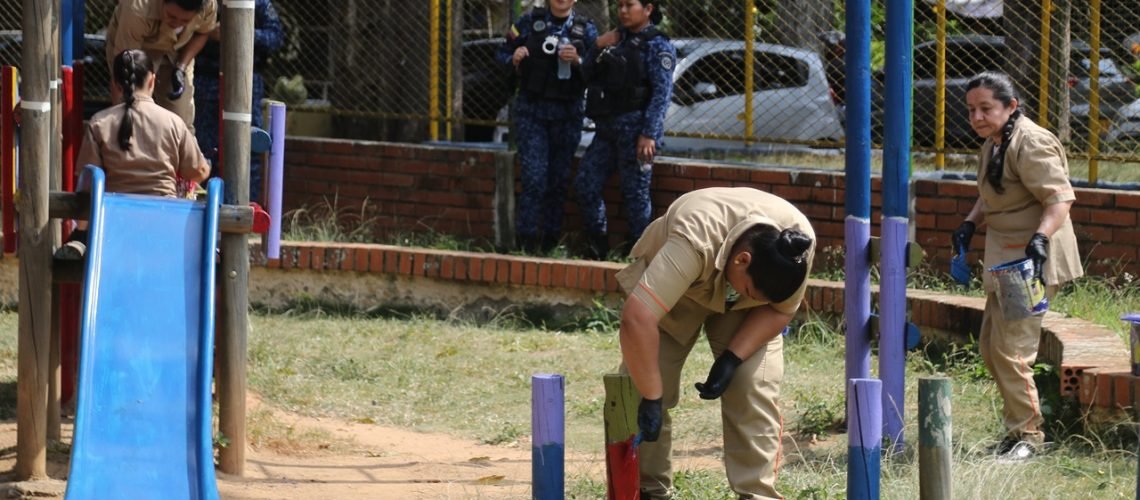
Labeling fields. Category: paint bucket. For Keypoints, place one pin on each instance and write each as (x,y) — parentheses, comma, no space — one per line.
(1019,294)
(1134,318)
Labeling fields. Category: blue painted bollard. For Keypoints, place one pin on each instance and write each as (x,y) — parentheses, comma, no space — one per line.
(864,437)
(548,428)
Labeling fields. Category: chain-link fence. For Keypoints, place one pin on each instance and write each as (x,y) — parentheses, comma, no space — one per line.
(415,70)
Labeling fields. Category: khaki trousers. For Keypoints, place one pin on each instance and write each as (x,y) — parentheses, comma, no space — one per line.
(750,413)
(1009,349)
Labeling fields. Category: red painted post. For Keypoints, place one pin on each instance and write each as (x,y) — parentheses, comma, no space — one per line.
(69,293)
(8,156)
(70,146)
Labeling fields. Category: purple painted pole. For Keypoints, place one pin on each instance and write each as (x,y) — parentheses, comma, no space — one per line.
(857,296)
(864,438)
(892,327)
(548,444)
(276,176)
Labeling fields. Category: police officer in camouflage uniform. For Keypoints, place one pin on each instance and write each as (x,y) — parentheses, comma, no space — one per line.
(268,37)
(630,82)
(545,48)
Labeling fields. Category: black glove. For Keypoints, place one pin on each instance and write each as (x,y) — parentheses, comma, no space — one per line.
(177,83)
(1038,250)
(649,418)
(963,235)
(719,375)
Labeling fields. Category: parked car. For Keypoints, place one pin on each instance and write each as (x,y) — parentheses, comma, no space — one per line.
(791,100)
(96,74)
(1127,124)
(968,55)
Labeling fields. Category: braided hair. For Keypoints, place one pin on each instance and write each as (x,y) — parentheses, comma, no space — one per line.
(779,260)
(131,69)
(1002,87)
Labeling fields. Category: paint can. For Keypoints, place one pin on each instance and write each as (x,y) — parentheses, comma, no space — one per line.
(1019,294)
(1134,318)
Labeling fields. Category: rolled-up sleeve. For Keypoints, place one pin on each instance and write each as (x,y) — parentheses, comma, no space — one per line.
(668,276)
(1041,167)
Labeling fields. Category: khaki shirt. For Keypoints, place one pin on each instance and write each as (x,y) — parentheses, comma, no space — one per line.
(137,24)
(1036,174)
(681,257)
(161,147)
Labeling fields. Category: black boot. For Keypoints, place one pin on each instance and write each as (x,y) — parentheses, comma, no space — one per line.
(598,246)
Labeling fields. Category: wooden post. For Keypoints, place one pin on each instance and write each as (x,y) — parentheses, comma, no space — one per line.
(934,438)
(623,481)
(34,344)
(548,443)
(237,65)
(864,437)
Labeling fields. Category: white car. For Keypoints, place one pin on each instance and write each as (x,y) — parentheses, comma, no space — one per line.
(1127,124)
(791,100)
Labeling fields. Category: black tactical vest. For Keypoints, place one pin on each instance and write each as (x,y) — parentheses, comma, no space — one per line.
(539,70)
(619,80)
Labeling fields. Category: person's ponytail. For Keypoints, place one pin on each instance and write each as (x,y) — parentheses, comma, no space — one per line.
(131,69)
(779,263)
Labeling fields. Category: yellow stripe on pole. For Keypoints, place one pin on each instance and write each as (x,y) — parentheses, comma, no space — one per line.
(940,90)
(1043,94)
(1094,88)
(433,73)
(448,68)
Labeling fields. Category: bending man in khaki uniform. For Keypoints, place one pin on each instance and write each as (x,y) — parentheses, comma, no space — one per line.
(735,261)
(1024,199)
(171,32)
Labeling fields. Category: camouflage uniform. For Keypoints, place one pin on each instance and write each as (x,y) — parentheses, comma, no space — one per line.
(547,126)
(614,147)
(268,36)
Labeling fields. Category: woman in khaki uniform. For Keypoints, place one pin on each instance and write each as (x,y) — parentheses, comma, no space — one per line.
(1024,200)
(735,261)
(141,147)
(171,32)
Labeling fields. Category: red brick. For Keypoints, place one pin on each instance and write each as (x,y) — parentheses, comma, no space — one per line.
(375,260)
(530,273)
(345,258)
(419,264)
(1104,389)
(584,282)
(1096,198)
(1100,234)
(391,261)
(544,274)
(572,275)
(406,263)
(558,274)
(504,270)
(318,259)
(611,281)
(1112,252)
(730,174)
(1122,390)
(1112,218)
(774,177)
(693,171)
(431,265)
(305,258)
(598,279)
(447,267)
(273,263)
(461,267)
(1125,200)
(792,193)
(711,183)
(1123,236)
(958,189)
(673,184)
(475,269)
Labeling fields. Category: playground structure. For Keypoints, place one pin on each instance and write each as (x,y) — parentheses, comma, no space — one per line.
(48,110)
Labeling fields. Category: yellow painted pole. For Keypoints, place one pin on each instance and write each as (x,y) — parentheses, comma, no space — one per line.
(447,65)
(1043,95)
(940,90)
(433,72)
(749,64)
(1094,88)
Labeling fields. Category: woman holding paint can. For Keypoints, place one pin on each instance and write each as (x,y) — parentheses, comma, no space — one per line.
(1024,200)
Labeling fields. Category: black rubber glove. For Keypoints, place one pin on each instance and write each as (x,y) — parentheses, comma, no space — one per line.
(719,375)
(177,83)
(649,419)
(963,235)
(1038,250)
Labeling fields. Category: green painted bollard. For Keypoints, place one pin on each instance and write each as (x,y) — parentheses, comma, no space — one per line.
(934,432)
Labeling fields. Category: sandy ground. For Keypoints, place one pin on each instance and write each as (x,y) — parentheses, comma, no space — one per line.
(377,463)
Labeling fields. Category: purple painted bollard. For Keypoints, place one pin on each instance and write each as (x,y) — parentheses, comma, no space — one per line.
(548,444)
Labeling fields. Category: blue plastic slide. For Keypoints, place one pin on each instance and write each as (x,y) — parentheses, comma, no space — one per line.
(143,421)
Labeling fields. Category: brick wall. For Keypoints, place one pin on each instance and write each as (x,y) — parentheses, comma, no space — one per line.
(411,188)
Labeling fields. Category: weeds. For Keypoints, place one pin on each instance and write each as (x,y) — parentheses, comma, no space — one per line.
(328,221)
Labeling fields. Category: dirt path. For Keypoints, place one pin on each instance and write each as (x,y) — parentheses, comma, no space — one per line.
(376,463)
